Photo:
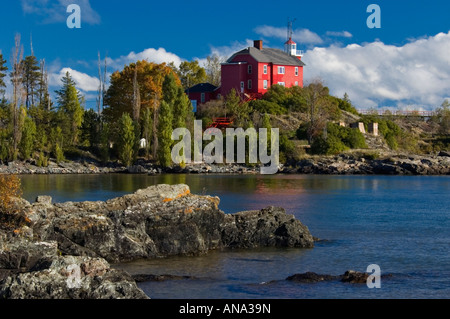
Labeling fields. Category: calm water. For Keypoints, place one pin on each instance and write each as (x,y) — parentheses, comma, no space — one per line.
(401,223)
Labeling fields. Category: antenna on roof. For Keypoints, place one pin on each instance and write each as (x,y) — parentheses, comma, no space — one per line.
(289,28)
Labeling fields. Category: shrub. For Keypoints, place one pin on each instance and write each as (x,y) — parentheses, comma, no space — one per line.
(269,107)
(10,188)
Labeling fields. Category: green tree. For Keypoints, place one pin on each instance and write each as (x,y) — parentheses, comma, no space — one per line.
(31,77)
(3,70)
(266,124)
(126,139)
(191,73)
(239,110)
(169,89)
(165,129)
(90,128)
(27,141)
(57,142)
(442,117)
(183,115)
(147,127)
(321,109)
(70,109)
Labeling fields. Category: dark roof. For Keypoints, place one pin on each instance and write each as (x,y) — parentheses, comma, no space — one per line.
(202,87)
(268,55)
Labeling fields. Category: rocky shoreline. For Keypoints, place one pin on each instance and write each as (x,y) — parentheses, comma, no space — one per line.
(343,164)
(64,250)
(395,164)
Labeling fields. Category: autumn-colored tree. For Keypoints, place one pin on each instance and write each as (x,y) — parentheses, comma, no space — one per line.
(120,96)
(10,188)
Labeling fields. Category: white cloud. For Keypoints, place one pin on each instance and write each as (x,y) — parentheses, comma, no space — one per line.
(84,82)
(344,34)
(303,36)
(152,55)
(377,74)
(54,11)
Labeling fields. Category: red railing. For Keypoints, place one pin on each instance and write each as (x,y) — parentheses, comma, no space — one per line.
(221,122)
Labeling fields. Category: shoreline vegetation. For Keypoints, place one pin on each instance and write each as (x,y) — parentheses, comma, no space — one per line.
(362,162)
(145,103)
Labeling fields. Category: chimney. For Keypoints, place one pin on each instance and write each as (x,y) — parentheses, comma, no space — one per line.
(258,44)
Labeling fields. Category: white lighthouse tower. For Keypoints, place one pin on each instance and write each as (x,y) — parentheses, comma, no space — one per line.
(290,47)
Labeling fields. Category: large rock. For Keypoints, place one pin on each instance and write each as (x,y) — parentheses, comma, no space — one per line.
(64,249)
(160,221)
(72,277)
(267,227)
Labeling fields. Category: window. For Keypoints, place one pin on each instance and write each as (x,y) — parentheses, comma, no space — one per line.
(265,69)
(203,98)
(296,71)
(265,84)
(282,83)
(242,86)
(281,70)
(296,83)
(249,84)
(250,69)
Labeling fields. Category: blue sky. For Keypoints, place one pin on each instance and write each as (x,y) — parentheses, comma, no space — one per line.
(404,64)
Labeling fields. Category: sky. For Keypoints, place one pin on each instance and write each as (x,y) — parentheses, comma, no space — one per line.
(403,64)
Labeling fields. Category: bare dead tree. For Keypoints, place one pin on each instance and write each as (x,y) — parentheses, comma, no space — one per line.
(155,126)
(18,91)
(100,86)
(136,97)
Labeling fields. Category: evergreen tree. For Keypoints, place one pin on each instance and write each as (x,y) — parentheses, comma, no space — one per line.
(3,69)
(165,134)
(266,124)
(126,139)
(90,133)
(31,77)
(27,141)
(169,89)
(147,126)
(182,110)
(70,110)
(57,142)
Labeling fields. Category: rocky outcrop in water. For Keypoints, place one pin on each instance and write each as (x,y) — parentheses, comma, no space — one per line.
(350,165)
(38,258)
(350,276)
(159,221)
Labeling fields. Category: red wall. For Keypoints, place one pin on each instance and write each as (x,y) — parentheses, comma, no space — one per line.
(233,74)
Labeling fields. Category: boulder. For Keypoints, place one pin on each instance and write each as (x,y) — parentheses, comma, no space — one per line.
(64,250)
(160,221)
(72,277)
(310,277)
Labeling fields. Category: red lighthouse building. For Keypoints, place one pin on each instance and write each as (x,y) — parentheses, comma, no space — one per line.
(252,71)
